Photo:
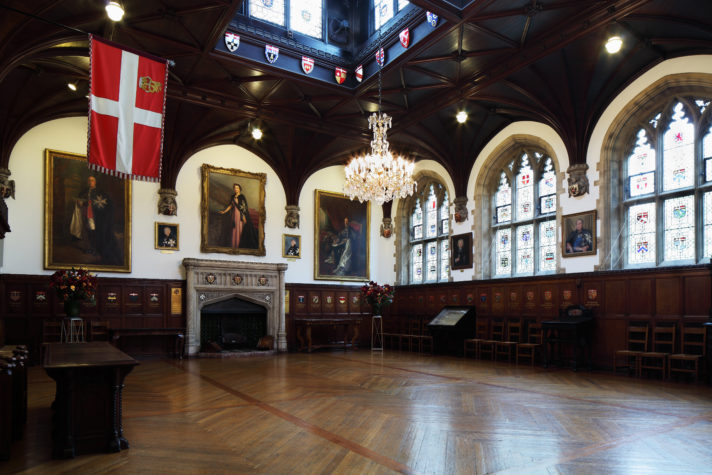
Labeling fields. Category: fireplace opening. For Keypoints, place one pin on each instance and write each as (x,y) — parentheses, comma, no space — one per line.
(232,325)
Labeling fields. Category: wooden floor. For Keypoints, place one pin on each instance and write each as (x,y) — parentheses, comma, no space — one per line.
(361,412)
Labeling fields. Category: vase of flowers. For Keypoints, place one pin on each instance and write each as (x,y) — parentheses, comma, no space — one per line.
(73,287)
(378,296)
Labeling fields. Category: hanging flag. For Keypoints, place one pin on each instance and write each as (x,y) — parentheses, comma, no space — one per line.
(232,41)
(340,75)
(432,19)
(404,37)
(359,73)
(127,94)
(380,56)
(307,64)
(271,53)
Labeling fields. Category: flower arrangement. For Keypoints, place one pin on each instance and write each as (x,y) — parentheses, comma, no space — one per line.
(378,296)
(74,285)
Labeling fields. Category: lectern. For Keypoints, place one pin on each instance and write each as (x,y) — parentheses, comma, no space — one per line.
(451,327)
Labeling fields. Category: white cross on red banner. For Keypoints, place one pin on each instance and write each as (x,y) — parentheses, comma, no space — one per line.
(127,96)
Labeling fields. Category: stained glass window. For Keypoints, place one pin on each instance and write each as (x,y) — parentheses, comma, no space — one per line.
(444,259)
(503,200)
(641,239)
(641,167)
(679,152)
(503,256)
(679,228)
(417,261)
(402,4)
(525,236)
(547,189)
(547,245)
(525,187)
(428,240)
(268,10)
(668,176)
(707,224)
(305,17)
(382,12)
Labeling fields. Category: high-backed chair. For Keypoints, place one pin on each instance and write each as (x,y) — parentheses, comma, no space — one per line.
(98,330)
(692,350)
(51,331)
(532,345)
(637,344)
(473,344)
(663,345)
(508,346)
(488,346)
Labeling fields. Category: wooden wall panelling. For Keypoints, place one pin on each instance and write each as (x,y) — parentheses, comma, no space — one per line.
(697,296)
(342,302)
(530,300)
(513,298)
(109,300)
(548,300)
(483,300)
(568,294)
(668,296)
(314,303)
(328,303)
(455,297)
(498,300)
(592,293)
(616,299)
(640,297)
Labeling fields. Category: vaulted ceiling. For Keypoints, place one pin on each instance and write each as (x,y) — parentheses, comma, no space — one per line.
(500,60)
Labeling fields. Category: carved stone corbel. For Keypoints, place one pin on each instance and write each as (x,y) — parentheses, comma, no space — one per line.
(292,218)
(7,186)
(167,203)
(460,209)
(387,228)
(578,181)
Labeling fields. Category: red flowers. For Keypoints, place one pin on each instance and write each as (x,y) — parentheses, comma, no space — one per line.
(74,284)
(377,295)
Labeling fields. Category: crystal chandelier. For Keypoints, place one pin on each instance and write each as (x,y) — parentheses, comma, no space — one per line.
(379,176)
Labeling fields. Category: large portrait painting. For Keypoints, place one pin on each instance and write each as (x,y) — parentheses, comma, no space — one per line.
(578,234)
(87,216)
(341,237)
(233,211)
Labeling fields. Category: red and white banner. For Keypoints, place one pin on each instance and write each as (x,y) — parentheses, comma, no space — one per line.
(127,96)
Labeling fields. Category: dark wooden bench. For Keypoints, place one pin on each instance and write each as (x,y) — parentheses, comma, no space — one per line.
(177,333)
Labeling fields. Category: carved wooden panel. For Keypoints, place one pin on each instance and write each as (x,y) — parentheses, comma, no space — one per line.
(668,296)
(640,297)
(698,296)
(616,301)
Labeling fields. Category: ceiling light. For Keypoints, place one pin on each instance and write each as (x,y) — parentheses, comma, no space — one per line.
(614,44)
(256,133)
(461,117)
(379,176)
(115,11)
(72,86)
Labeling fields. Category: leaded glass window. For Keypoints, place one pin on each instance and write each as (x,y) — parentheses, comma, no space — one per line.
(382,12)
(402,4)
(268,10)
(668,177)
(707,224)
(428,238)
(305,17)
(524,209)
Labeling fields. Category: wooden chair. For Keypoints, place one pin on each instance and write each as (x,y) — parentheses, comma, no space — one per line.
(692,350)
(473,344)
(528,349)
(488,346)
(637,338)
(98,331)
(508,346)
(663,345)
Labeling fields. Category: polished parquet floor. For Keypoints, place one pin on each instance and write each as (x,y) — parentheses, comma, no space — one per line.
(362,412)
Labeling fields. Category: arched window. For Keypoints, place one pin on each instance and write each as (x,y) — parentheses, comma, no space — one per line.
(666,197)
(429,227)
(524,225)
(303,16)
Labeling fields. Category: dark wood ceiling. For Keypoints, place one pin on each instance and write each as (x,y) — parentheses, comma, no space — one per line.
(501,60)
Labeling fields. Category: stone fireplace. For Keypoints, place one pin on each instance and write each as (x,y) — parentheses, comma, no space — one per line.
(210,282)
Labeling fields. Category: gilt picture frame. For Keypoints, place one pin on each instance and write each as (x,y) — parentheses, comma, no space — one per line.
(232,211)
(341,242)
(578,234)
(87,216)
(291,246)
(166,236)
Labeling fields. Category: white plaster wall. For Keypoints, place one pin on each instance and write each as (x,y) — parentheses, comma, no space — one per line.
(24,245)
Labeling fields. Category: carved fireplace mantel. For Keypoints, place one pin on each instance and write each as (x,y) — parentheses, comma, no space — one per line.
(212,281)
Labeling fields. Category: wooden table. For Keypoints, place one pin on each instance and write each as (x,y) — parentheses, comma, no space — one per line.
(345,324)
(574,332)
(88,405)
(177,333)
